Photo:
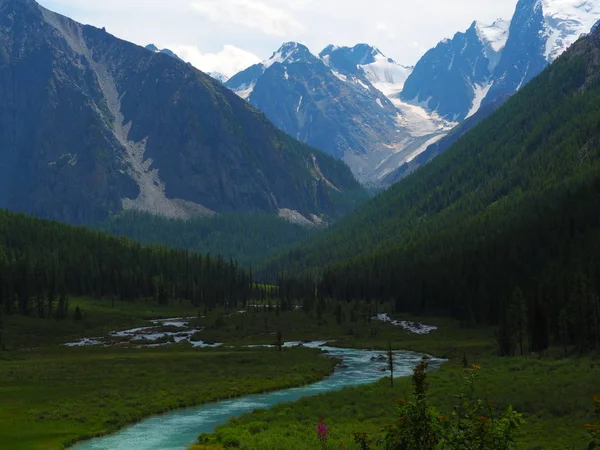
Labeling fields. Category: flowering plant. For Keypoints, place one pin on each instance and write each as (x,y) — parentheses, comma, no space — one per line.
(322,432)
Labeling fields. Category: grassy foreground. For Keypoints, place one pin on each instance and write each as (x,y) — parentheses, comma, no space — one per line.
(555,395)
(52,395)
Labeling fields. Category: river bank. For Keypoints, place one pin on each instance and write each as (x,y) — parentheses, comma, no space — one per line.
(178,430)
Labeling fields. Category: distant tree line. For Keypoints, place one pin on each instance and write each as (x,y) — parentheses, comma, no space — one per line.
(247,238)
(43,262)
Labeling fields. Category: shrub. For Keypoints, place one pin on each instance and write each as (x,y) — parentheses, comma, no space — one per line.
(473,424)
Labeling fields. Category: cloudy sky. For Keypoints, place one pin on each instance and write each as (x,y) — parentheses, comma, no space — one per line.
(229,35)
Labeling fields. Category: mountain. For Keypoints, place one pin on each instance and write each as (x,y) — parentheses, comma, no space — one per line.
(540,32)
(482,67)
(164,51)
(331,103)
(488,62)
(93,125)
(515,188)
(455,76)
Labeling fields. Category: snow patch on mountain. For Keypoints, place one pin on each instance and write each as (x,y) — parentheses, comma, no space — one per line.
(494,38)
(362,84)
(340,76)
(418,121)
(218,76)
(424,147)
(566,21)
(386,73)
(297,218)
(495,35)
(480,91)
(245,90)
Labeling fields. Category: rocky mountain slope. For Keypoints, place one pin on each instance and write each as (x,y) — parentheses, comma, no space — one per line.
(454,77)
(92,125)
(164,51)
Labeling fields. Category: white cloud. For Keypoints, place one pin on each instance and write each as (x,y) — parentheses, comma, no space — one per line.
(229,61)
(250,14)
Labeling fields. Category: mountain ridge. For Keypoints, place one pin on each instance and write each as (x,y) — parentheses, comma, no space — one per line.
(97,145)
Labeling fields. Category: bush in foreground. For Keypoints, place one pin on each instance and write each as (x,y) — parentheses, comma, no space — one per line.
(474,423)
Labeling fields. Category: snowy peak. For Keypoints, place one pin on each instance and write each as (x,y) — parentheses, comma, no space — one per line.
(243,83)
(289,53)
(366,61)
(494,35)
(540,31)
(565,22)
(358,55)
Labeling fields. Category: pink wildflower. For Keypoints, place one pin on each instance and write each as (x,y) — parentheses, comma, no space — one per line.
(322,432)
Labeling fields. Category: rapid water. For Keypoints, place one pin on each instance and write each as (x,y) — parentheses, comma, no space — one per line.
(179,429)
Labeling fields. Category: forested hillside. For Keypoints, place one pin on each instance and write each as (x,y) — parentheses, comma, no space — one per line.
(511,207)
(247,238)
(43,262)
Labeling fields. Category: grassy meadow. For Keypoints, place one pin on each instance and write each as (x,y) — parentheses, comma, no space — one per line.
(554,393)
(52,395)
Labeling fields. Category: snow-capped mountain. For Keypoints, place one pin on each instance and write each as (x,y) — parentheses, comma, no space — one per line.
(331,102)
(366,61)
(359,105)
(488,62)
(540,32)
(494,38)
(565,21)
(244,82)
(454,77)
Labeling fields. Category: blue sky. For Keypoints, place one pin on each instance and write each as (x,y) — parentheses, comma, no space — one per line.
(229,35)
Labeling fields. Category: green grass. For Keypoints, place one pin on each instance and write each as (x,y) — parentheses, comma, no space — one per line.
(553,393)
(555,397)
(54,397)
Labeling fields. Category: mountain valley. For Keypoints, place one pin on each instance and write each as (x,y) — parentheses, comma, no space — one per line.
(331,250)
